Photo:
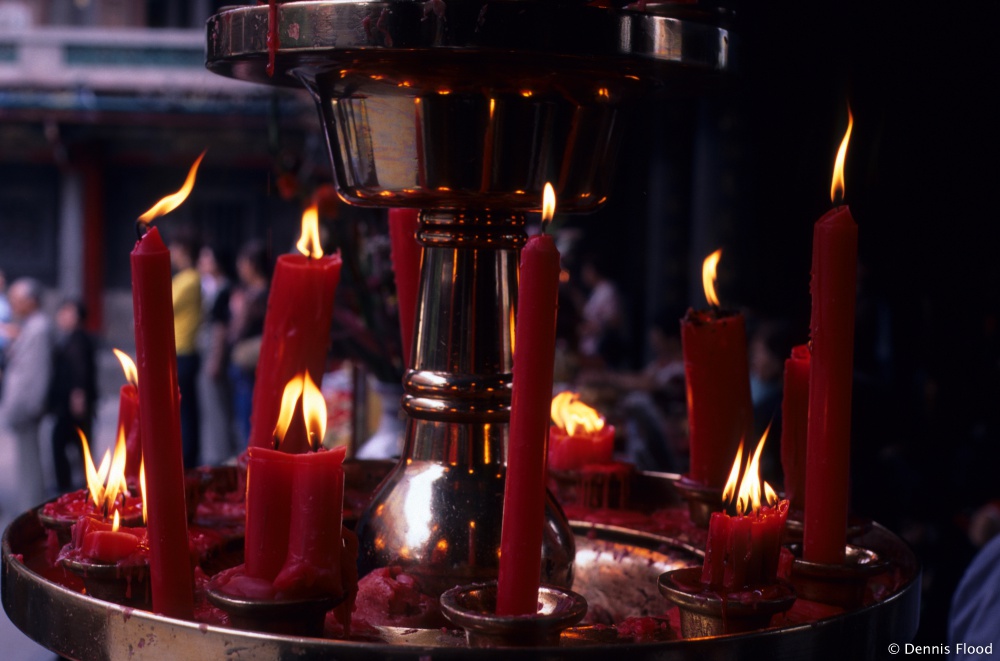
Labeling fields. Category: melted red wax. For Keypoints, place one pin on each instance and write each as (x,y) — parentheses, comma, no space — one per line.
(71,506)
(390,597)
(646,629)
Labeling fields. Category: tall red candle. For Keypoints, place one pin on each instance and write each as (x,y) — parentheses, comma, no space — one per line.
(268,503)
(834,273)
(406,255)
(171,574)
(717,380)
(296,338)
(794,420)
(315,539)
(524,492)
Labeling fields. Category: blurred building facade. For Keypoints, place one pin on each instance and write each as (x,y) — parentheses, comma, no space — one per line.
(104,104)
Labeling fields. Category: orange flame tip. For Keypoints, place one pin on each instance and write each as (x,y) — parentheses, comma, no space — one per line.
(174,200)
(837,182)
(709,267)
(308,243)
(572,415)
(128,367)
(548,203)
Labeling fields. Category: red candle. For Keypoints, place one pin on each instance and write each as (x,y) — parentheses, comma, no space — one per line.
(835,253)
(743,551)
(833,289)
(524,492)
(579,436)
(315,541)
(406,255)
(794,418)
(717,379)
(268,503)
(109,546)
(159,419)
(296,336)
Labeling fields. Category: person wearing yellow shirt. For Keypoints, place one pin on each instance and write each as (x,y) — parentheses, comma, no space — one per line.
(187,318)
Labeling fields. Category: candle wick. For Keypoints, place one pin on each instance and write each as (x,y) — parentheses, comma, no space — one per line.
(140,229)
(277,442)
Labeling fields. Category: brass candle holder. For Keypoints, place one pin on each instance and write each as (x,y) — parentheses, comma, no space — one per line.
(124,584)
(702,500)
(709,612)
(836,584)
(473,608)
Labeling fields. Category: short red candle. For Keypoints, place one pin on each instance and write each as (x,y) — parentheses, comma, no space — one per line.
(717,379)
(296,337)
(833,288)
(743,550)
(128,419)
(794,421)
(568,452)
(406,256)
(171,574)
(109,546)
(315,540)
(524,492)
(268,503)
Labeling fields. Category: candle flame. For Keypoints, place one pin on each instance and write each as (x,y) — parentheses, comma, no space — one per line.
(708,276)
(747,498)
(548,203)
(171,202)
(128,367)
(116,522)
(308,243)
(837,183)
(301,386)
(107,482)
(571,415)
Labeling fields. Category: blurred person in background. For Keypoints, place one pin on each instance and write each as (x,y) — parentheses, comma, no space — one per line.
(24,397)
(73,392)
(217,434)
(187,317)
(248,306)
(4,320)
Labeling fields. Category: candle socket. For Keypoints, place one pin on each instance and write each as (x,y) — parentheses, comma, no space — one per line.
(707,612)
(702,500)
(290,617)
(473,607)
(836,584)
(127,585)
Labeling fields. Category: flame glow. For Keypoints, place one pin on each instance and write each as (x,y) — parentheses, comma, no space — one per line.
(171,202)
(708,275)
(308,243)
(572,415)
(142,487)
(548,203)
(301,386)
(837,183)
(106,483)
(128,366)
(748,496)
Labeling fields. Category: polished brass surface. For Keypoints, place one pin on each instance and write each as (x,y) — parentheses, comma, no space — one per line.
(126,586)
(702,500)
(705,612)
(438,513)
(473,608)
(81,627)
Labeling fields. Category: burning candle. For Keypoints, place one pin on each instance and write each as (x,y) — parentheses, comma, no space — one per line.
(171,576)
(794,421)
(834,271)
(128,417)
(406,256)
(294,514)
(717,379)
(110,545)
(578,435)
(743,550)
(534,356)
(296,331)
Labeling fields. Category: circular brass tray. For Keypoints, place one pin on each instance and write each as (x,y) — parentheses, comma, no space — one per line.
(616,568)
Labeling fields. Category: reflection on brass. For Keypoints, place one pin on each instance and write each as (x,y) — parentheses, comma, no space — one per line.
(702,500)
(838,585)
